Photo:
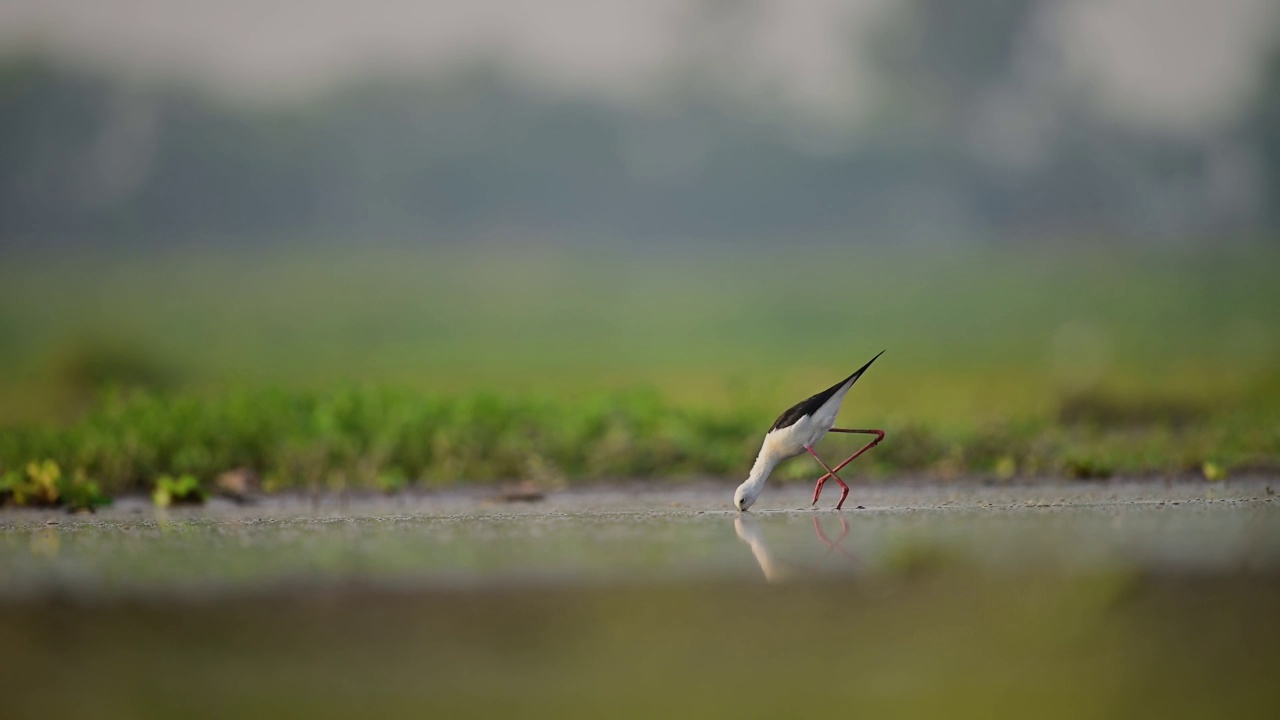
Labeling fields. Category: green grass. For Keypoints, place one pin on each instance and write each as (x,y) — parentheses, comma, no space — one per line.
(344,367)
(373,438)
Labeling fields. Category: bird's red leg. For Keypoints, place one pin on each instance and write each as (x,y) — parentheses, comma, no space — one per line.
(879,436)
(844,489)
(817,490)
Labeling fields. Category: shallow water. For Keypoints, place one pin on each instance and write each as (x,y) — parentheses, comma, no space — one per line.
(1056,600)
(645,533)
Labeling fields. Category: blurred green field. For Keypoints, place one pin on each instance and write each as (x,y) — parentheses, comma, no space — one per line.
(502,360)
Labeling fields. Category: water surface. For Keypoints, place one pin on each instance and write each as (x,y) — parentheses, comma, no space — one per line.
(641,534)
(1056,600)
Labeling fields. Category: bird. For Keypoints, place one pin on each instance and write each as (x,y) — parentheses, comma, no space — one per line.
(796,431)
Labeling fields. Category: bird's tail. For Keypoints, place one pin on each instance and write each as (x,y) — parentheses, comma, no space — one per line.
(858,373)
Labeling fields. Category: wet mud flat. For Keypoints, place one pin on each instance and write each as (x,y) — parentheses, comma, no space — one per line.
(1050,599)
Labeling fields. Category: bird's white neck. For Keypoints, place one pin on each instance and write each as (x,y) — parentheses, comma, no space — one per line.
(765,463)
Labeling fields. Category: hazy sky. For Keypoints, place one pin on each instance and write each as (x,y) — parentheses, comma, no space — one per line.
(1181,63)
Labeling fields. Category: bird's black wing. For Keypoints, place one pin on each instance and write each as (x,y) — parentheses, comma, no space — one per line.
(810,405)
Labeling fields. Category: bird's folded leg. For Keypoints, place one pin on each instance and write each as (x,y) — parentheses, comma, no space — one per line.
(831,472)
(844,489)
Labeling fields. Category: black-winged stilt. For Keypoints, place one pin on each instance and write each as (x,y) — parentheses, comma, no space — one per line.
(796,431)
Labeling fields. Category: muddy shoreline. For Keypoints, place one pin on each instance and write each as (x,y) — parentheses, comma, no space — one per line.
(908,492)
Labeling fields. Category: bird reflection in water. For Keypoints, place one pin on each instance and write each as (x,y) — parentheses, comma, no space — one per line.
(775,570)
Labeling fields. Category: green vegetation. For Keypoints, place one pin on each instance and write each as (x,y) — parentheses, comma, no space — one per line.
(184,489)
(386,439)
(43,484)
(388,367)
(381,438)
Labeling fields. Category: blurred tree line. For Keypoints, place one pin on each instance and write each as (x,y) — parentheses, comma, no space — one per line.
(962,143)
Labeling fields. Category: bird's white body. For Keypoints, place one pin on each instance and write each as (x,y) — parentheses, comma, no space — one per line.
(788,442)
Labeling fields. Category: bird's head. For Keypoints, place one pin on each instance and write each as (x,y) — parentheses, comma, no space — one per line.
(746,494)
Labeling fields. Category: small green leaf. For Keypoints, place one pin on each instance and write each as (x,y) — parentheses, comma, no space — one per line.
(1213,472)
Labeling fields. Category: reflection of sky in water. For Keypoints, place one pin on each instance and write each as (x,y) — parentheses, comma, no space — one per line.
(611,536)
